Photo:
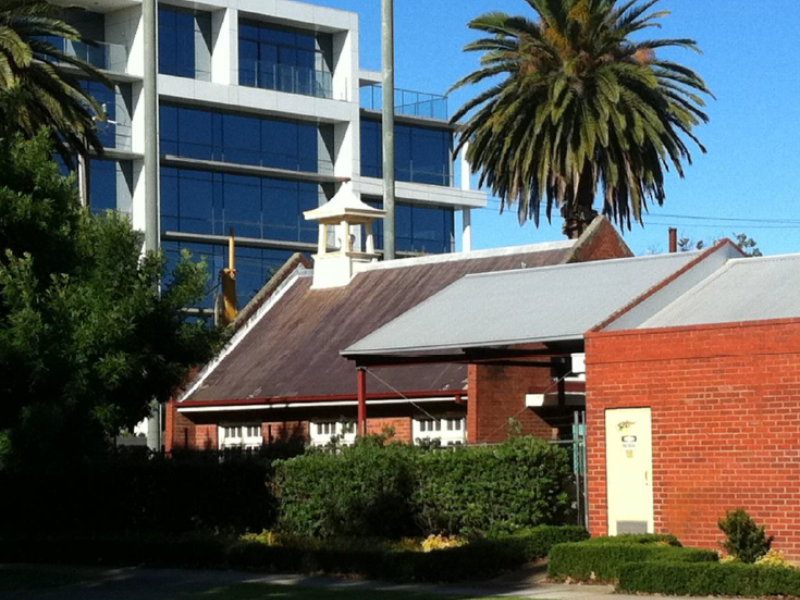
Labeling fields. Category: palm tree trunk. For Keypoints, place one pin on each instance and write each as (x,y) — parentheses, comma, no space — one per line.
(579,213)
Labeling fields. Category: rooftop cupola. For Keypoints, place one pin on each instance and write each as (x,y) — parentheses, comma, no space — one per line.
(335,266)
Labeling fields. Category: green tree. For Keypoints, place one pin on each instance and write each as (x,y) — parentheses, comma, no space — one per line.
(87,341)
(748,245)
(580,110)
(40,84)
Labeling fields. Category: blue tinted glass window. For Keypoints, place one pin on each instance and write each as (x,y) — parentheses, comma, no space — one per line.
(419,228)
(254,267)
(422,154)
(102,185)
(239,139)
(212,203)
(279,58)
(107,99)
(176,39)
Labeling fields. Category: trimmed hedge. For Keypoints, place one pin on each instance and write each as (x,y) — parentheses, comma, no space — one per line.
(640,538)
(481,559)
(585,561)
(707,579)
(394,490)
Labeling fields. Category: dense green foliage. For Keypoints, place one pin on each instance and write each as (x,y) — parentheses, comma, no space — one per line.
(746,540)
(87,341)
(40,84)
(580,109)
(644,538)
(586,561)
(709,579)
(373,489)
(368,557)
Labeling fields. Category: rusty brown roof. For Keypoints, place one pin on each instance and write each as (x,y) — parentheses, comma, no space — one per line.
(293,349)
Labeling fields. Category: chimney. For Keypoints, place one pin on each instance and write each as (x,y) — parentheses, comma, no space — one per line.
(336,267)
(673,240)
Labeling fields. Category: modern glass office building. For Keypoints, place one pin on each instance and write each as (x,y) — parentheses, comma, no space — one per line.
(264,112)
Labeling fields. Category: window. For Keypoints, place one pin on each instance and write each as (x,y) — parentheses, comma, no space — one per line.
(323,431)
(183,48)
(254,267)
(423,154)
(450,431)
(257,207)
(285,59)
(240,436)
(426,229)
(240,139)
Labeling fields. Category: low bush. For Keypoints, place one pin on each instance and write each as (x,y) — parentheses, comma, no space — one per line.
(593,561)
(663,539)
(709,579)
(394,490)
(746,540)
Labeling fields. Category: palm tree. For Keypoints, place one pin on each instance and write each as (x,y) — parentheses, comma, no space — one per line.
(40,84)
(580,106)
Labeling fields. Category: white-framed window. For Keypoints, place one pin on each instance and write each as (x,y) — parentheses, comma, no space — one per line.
(244,435)
(323,431)
(451,431)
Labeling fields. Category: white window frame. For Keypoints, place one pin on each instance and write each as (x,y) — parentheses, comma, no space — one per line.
(240,435)
(321,432)
(451,431)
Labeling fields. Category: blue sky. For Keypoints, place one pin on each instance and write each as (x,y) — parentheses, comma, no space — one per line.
(750,62)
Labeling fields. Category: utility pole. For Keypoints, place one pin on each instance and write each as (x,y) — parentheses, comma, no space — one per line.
(388,130)
(150,91)
(151,159)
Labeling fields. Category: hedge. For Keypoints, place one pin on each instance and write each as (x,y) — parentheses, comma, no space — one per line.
(707,579)
(395,490)
(481,559)
(602,562)
(637,538)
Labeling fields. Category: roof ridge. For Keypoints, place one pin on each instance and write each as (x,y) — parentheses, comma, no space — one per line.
(473,255)
(590,263)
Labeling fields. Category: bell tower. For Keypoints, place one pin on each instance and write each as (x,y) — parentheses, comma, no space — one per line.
(335,267)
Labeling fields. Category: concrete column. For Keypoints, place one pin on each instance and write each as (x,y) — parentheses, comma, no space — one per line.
(151,155)
(466,173)
(466,230)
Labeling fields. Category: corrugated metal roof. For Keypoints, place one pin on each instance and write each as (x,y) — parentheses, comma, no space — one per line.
(522,306)
(746,289)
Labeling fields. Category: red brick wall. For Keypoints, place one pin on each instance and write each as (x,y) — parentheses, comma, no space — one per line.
(602,244)
(401,426)
(497,393)
(726,424)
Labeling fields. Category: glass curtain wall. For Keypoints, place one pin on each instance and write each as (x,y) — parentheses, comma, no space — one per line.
(184,43)
(423,229)
(285,59)
(231,138)
(423,154)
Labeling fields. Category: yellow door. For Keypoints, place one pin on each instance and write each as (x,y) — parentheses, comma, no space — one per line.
(629,470)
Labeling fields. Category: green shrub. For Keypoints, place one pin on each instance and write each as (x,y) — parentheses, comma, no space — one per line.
(535,542)
(393,490)
(709,579)
(747,541)
(498,489)
(586,561)
(642,538)
(362,491)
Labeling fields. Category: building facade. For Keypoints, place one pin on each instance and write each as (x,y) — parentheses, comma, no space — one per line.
(263,113)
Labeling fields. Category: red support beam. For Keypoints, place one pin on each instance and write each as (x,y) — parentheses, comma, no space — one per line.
(362,401)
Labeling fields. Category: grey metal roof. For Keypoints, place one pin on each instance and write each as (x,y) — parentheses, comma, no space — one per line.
(746,289)
(521,306)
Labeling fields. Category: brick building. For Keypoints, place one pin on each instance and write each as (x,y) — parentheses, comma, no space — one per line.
(282,373)
(692,379)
